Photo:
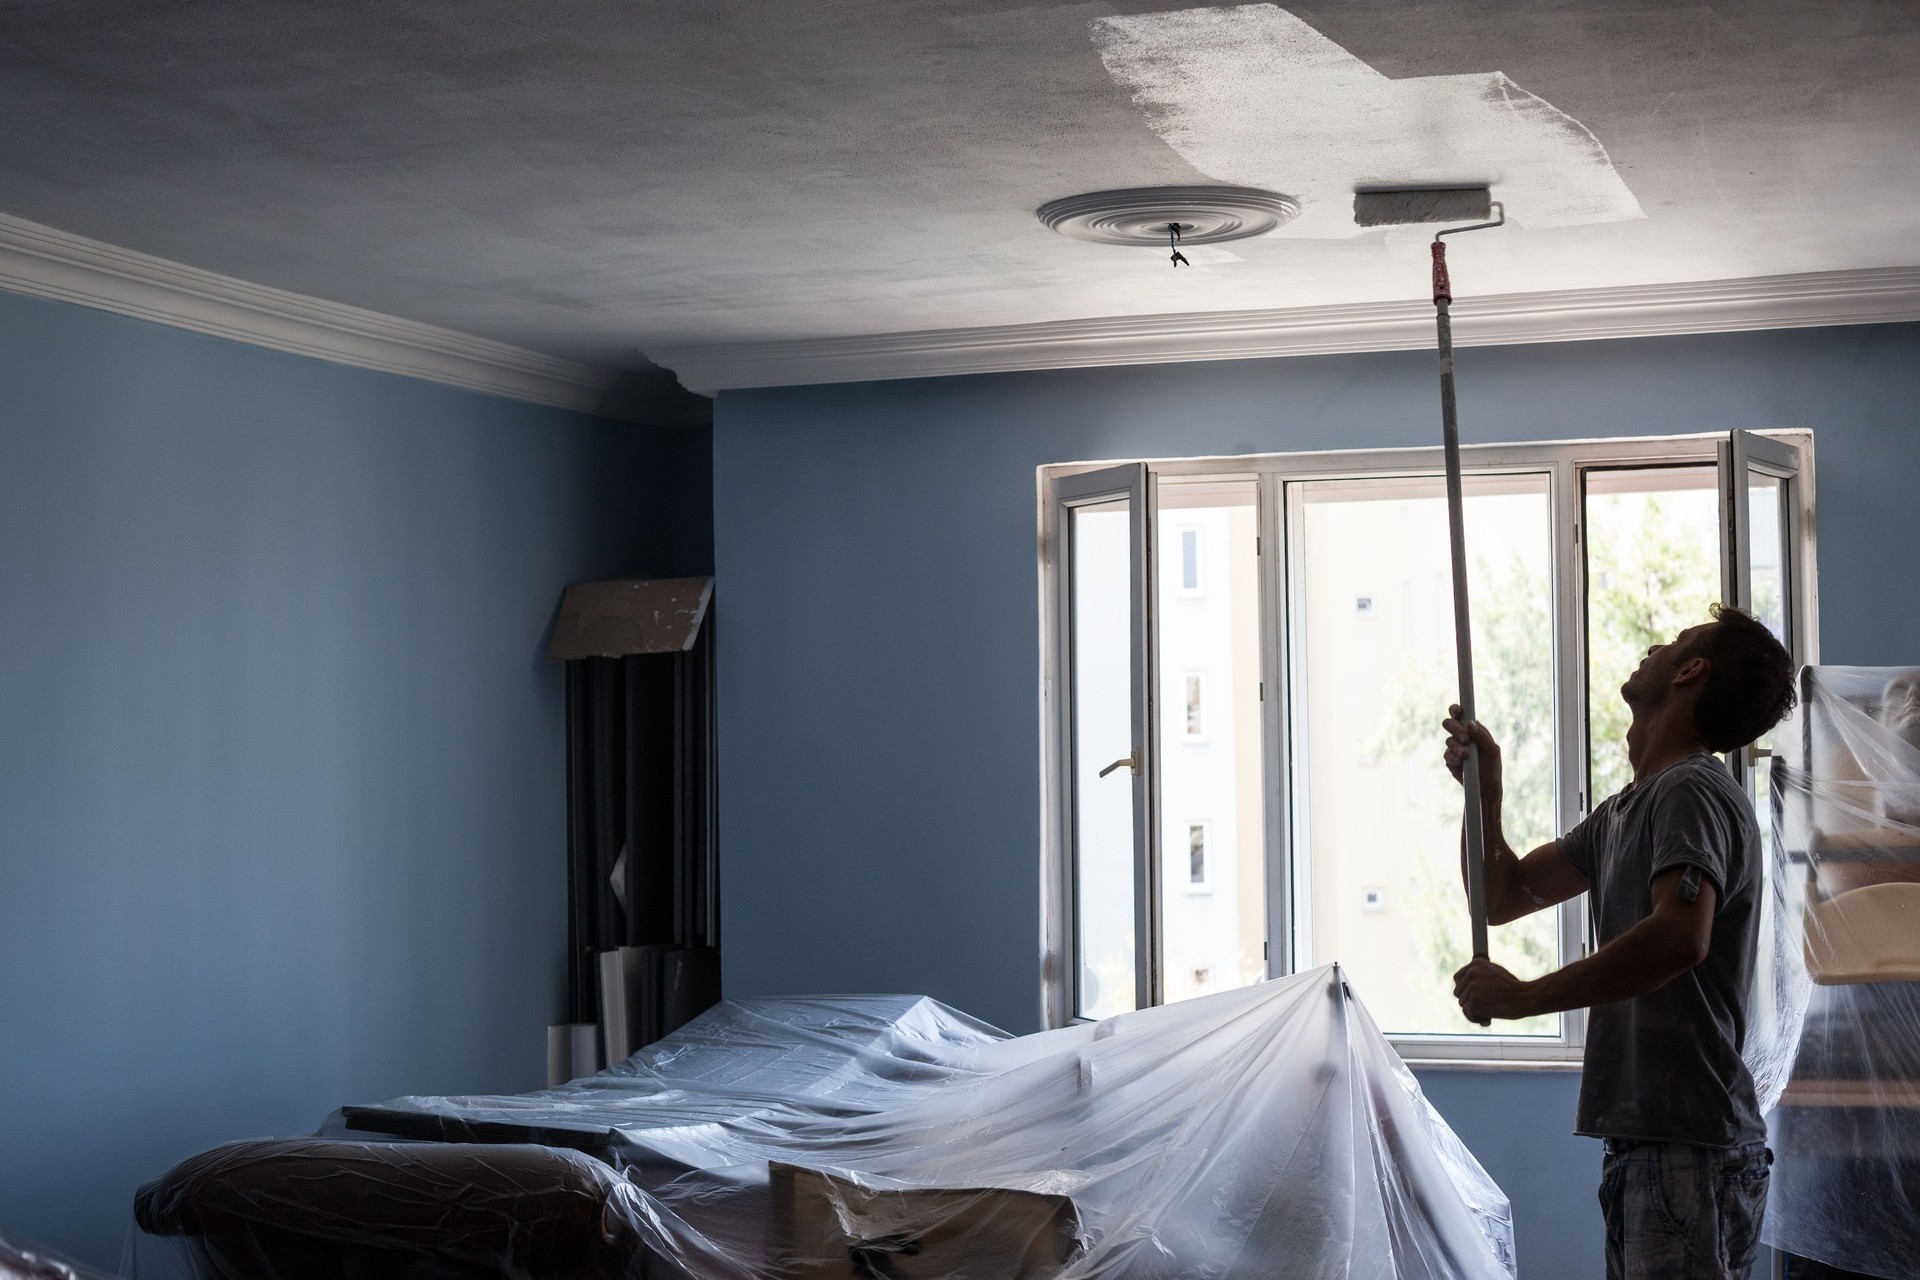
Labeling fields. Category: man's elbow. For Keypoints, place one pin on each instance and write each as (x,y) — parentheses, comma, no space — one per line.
(1500,907)
(1684,947)
(1515,902)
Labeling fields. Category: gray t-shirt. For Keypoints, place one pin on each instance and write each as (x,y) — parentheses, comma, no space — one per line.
(1667,1066)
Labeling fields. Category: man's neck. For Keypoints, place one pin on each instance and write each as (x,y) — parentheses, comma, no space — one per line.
(1663,741)
(1666,759)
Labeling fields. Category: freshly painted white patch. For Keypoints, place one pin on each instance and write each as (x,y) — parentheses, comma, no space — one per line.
(1250,94)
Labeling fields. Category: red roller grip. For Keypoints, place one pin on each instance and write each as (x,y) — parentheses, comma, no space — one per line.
(1442,287)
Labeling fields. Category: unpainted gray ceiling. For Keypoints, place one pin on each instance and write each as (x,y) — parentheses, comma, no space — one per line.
(591,178)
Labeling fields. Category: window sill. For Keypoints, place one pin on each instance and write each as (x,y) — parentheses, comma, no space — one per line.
(1491,1064)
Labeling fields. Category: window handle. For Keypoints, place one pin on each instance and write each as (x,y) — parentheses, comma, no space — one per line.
(1131,760)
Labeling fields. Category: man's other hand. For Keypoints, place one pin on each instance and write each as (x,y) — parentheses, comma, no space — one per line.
(1459,734)
(1486,991)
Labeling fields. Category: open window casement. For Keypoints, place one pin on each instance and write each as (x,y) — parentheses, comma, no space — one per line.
(1762,496)
(1766,561)
(1102,677)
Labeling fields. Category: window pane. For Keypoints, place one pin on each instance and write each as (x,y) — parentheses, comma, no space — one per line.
(1373,635)
(1213,886)
(1767,595)
(1190,559)
(1767,581)
(1653,570)
(1102,733)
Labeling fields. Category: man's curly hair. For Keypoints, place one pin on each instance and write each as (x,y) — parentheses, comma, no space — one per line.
(1749,682)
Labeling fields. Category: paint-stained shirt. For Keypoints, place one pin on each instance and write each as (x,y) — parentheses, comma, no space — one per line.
(1667,1065)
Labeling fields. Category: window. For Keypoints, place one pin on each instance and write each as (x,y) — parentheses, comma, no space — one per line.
(1193,710)
(1105,611)
(1372,688)
(1190,561)
(1196,857)
(1295,702)
(1653,567)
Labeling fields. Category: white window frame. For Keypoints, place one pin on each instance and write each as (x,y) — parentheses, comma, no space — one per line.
(1563,462)
(1060,944)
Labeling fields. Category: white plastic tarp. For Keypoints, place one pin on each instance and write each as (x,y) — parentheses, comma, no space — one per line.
(23,1259)
(1270,1131)
(1835,1041)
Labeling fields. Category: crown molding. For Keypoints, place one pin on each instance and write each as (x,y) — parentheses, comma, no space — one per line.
(1875,296)
(45,262)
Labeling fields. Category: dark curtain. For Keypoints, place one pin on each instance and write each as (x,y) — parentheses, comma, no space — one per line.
(640,778)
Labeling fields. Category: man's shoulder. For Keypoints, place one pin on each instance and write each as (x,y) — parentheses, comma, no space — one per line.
(1698,776)
(1695,775)
(1705,816)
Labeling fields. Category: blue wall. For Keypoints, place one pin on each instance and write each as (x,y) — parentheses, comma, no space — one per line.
(879,655)
(282,806)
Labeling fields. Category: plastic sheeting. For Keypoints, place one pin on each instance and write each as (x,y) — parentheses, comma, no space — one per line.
(1261,1132)
(1835,1041)
(22,1259)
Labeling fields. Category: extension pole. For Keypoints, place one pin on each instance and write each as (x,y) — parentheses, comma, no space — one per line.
(1476,836)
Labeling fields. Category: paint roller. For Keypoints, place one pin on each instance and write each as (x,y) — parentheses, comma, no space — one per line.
(1399,206)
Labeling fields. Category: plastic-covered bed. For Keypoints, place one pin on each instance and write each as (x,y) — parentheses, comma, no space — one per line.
(1270,1131)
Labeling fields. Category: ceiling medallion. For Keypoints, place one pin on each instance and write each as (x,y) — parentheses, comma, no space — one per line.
(1142,215)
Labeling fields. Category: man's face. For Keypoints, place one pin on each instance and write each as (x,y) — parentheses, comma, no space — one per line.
(1654,676)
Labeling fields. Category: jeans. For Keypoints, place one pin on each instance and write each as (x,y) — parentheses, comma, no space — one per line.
(1681,1211)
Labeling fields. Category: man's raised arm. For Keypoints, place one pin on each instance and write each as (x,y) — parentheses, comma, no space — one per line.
(1516,886)
(1672,939)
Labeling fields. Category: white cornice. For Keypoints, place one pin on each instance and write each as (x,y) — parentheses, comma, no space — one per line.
(48,263)
(1876,296)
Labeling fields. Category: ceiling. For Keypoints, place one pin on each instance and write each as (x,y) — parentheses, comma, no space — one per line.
(593,179)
